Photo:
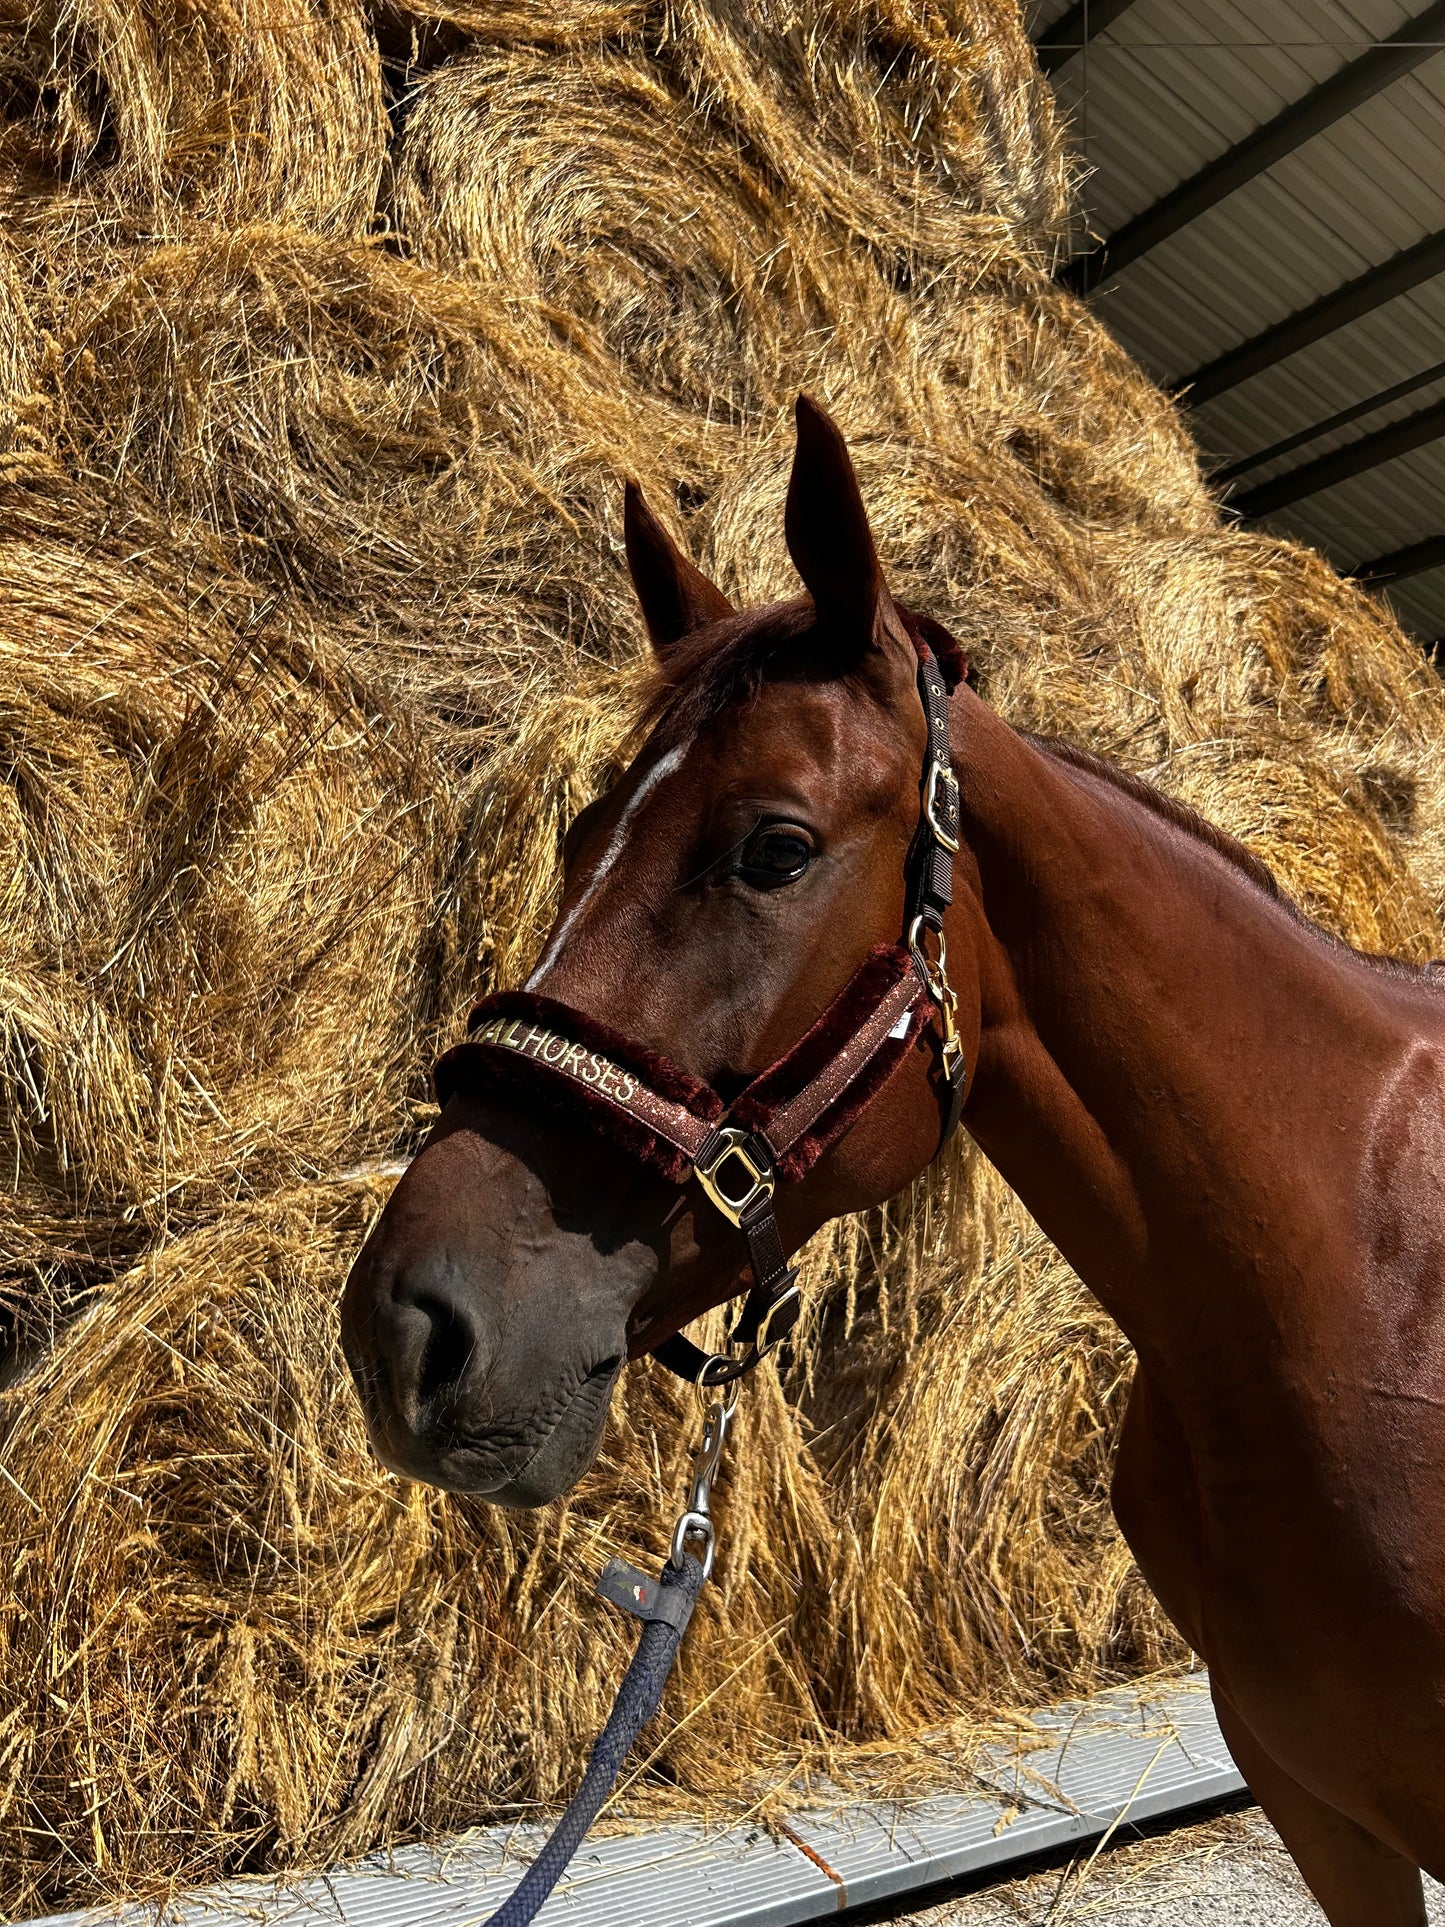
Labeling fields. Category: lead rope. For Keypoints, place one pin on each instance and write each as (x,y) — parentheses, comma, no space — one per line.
(664,1605)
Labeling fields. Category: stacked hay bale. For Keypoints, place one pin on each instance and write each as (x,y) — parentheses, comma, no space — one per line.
(327,336)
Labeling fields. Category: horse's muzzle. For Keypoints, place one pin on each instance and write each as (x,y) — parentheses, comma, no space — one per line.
(431,1379)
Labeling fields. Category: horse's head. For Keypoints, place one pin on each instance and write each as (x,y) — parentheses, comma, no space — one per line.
(715,901)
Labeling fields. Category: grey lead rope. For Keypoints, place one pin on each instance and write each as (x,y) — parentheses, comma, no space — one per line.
(638,1698)
(664,1605)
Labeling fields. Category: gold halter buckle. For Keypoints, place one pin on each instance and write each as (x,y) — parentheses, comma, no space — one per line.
(730,1175)
(941,777)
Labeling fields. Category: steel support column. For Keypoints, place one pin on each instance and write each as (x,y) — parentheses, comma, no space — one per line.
(1084,22)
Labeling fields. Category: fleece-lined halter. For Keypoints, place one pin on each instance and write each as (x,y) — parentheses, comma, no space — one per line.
(785,1119)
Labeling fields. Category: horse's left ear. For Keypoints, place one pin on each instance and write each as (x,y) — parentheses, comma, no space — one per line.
(828,535)
(676,598)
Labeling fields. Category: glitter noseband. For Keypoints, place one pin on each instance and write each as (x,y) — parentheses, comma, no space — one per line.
(783,1121)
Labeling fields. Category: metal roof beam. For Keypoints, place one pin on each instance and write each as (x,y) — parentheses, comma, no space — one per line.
(1390,60)
(1409,386)
(1305,326)
(1400,564)
(1341,464)
(1084,22)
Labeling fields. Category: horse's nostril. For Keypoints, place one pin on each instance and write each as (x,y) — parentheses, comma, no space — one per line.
(448,1351)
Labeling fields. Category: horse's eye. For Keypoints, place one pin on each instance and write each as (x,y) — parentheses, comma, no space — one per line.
(774,855)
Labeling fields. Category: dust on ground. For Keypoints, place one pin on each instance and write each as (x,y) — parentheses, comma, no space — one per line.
(1229,1871)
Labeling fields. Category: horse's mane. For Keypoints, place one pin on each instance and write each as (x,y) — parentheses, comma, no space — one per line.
(724,662)
(1179,814)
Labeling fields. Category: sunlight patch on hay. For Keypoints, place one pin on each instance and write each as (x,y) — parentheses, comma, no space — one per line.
(326,345)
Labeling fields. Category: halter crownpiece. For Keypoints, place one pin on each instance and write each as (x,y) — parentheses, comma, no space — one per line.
(533,1047)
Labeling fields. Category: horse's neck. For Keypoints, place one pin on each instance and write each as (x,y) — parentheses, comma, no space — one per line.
(1174,1072)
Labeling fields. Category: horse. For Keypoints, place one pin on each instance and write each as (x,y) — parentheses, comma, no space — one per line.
(1229,1122)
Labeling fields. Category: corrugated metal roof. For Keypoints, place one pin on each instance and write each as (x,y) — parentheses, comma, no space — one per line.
(1173,83)
(1169,88)
(1420,602)
(1345,367)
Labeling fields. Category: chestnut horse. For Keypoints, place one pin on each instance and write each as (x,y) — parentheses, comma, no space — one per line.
(1232,1125)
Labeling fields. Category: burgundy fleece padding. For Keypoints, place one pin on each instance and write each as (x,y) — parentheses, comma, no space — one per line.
(533,1079)
(884,966)
(930,638)
(756,1107)
(801,1156)
(660,1072)
(536,1083)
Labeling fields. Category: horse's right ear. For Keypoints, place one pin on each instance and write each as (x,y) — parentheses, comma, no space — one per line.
(827,531)
(676,598)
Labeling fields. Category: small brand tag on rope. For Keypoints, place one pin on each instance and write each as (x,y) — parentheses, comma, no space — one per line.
(623,1585)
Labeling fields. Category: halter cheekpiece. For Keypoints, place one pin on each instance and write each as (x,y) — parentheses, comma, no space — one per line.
(782,1122)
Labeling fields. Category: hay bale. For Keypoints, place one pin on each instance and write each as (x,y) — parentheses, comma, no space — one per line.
(127,118)
(325,343)
(227,865)
(266,1630)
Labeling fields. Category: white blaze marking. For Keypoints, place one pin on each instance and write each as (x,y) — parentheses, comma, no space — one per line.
(660,771)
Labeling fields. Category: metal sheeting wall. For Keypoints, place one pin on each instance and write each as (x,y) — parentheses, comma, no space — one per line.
(1133,1754)
(1347,178)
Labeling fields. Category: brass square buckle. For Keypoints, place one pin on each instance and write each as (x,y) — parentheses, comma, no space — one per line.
(730,1175)
(941,776)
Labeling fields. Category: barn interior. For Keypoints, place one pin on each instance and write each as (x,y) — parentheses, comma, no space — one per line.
(329,332)
(1261,228)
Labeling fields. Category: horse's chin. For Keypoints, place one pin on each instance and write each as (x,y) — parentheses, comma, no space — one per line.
(563,1456)
(518,1477)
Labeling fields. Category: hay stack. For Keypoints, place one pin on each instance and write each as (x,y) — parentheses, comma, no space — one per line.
(325,342)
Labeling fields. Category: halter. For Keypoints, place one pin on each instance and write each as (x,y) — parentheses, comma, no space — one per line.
(786,1117)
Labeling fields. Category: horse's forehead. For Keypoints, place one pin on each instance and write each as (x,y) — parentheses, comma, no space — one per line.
(785,728)
(804,742)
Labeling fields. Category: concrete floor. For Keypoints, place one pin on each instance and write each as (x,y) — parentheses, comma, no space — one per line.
(1231,1871)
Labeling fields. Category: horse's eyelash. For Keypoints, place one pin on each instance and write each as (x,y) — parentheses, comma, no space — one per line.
(723,856)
